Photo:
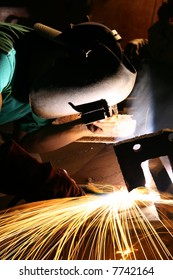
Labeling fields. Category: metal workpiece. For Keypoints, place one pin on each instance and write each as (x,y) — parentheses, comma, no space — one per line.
(132,152)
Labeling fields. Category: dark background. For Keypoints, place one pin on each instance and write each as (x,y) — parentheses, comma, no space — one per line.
(130,18)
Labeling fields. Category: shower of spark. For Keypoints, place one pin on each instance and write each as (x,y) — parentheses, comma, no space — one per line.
(113,225)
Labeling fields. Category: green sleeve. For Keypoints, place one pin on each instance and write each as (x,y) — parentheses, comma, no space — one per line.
(7,67)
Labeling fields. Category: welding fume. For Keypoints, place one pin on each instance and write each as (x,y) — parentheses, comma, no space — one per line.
(49,75)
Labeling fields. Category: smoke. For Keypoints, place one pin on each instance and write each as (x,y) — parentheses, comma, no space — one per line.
(141,106)
(152,98)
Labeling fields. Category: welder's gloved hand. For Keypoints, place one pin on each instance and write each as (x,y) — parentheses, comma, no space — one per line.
(104,128)
(27,178)
(136,50)
(94,128)
(65,186)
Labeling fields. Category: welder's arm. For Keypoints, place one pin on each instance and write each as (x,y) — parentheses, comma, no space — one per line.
(54,137)
(26,177)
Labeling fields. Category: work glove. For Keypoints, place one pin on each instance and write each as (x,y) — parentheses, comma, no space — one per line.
(136,50)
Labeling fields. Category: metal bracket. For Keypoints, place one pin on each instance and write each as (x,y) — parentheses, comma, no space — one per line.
(132,152)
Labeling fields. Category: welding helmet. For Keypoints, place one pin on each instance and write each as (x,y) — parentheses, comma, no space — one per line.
(93,76)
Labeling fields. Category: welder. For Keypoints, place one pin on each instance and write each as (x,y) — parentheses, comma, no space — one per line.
(46,74)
